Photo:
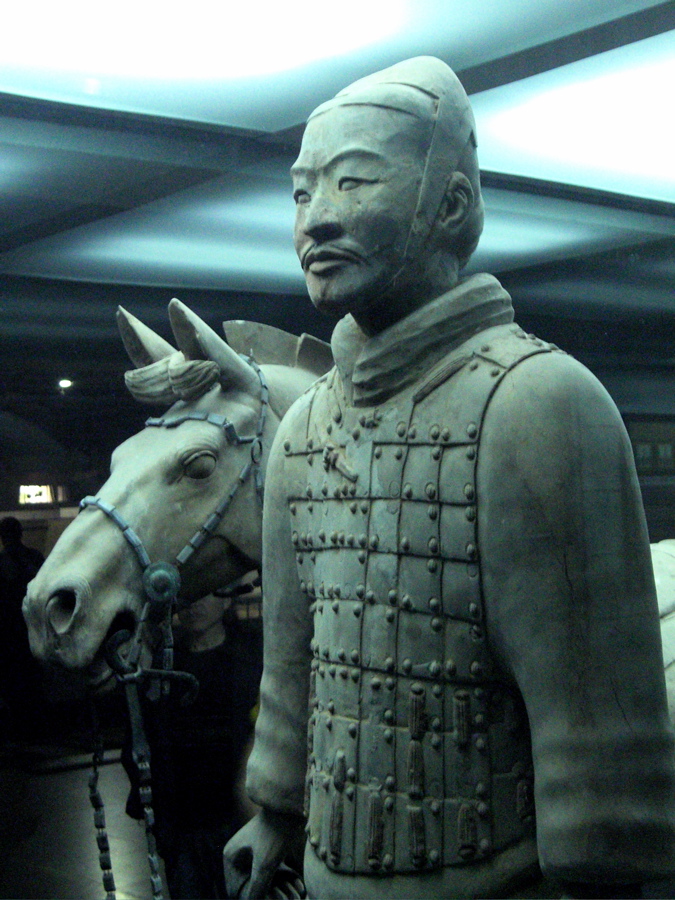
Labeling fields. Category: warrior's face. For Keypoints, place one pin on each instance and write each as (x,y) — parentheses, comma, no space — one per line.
(356,187)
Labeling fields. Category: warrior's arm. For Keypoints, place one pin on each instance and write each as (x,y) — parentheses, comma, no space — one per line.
(277,765)
(571,612)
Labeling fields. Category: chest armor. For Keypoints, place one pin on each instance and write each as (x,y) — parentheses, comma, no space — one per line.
(419,750)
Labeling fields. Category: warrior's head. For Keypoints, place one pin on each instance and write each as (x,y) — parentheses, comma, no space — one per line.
(387,191)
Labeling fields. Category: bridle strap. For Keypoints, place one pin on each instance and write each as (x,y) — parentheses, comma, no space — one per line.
(127,531)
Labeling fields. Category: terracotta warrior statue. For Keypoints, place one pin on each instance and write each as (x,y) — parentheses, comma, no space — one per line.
(463,684)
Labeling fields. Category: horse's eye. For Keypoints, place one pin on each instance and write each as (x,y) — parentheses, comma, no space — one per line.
(199,465)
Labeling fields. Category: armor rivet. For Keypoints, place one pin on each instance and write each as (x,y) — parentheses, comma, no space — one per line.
(390,683)
(406,602)
(495,372)
(370,596)
(373,862)
(406,666)
(303,587)
(322,671)
(412,433)
(476,669)
(310,588)
(473,366)
(436,724)
(377,452)
(344,672)
(329,428)
(312,607)
(481,790)
(299,558)
(436,453)
(469,491)
(390,615)
(445,434)
(362,556)
(374,542)
(434,604)
(293,508)
(407,491)
(310,444)
(353,507)
(326,651)
(432,565)
(450,667)
(485,348)
(333,537)
(470,513)
(349,792)
(436,741)
(331,707)
(437,690)
(485,845)
(345,489)
(363,540)
(351,774)
(321,608)
(323,853)
(472,429)
(322,535)
(356,434)
(295,538)
(355,675)
(388,805)
(337,493)
(433,512)
(314,841)
(287,446)
(387,861)
(471,551)
(376,683)
(324,490)
(435,807)
(401,429)
(388,735)
(360,591)
(434,432)
(435,668)
(471,453)
(332,669)
(342,656)
(362,420)
(434,856)
(354,656)
(433,545)
(310,459)
(430,491)
(337,416)
(353,730)
(330,591)
(364,507)
(405,544)
(358,608)
(480,744)
(416,688)
(393,597)
(341,538)
(479,719)
(388,716)
(389,665)
(390,782)
(473,610)
(351,540)
(329,725)
(476,632)
(398,453)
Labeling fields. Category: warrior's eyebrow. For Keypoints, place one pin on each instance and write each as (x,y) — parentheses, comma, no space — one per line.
(348,153)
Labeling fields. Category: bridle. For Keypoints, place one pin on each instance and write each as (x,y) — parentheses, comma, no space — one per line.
(161,584)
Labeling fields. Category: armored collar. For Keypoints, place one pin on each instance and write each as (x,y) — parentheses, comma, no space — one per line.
(374,369)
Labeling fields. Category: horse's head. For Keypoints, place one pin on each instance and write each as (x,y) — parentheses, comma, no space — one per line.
(185,491)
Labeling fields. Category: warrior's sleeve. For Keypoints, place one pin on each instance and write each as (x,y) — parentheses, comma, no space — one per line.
(277,765)
(572,615)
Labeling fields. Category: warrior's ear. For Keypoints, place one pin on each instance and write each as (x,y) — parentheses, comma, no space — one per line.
(198,341)
(143,346)
(457,203)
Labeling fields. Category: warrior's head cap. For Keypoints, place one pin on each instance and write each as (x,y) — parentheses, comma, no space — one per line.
(428,89)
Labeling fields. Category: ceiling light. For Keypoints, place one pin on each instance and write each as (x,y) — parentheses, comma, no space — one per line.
(602,122)
(65,383)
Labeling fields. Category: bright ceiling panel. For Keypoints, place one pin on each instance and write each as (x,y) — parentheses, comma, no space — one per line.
(265,65)
(604,122)
(237,235)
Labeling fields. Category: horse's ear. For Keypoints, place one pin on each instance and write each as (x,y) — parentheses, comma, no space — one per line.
(198,341)
(143,346)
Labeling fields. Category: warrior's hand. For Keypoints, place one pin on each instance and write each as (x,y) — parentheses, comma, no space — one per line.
(252,857)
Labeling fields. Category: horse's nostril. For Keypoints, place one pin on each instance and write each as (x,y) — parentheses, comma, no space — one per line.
(60,610)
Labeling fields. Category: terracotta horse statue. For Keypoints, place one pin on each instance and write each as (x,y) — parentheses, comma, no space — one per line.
(184,498)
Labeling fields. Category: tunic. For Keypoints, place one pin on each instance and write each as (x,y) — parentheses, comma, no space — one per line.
(458,588)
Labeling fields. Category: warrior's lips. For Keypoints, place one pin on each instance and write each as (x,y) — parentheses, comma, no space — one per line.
(322,262)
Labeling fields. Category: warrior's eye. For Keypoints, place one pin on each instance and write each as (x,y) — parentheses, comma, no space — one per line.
(348,182)
(199,465)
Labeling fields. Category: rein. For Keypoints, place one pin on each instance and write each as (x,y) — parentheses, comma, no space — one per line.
(161,584)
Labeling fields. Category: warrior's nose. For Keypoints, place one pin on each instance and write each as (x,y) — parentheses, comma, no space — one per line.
(61,608)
